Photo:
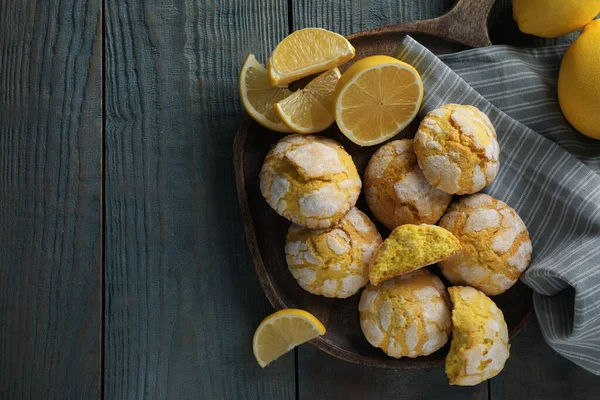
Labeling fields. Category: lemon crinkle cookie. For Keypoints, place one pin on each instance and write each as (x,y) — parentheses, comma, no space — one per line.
(410,247)
(310,180)
(333,262)
(407,316)
(457,149)
(396,190)
(479,346)
(496,244)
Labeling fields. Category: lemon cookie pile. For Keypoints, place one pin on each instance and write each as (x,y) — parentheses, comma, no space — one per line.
(334,250)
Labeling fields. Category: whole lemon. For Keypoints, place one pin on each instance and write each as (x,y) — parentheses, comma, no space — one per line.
(579,82)
(553,18)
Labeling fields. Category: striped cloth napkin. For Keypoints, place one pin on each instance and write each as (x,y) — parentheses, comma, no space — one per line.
(549,173)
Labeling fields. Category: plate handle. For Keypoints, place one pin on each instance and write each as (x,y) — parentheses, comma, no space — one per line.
(465,23)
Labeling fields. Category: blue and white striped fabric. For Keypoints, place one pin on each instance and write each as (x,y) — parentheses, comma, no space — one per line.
(549,173)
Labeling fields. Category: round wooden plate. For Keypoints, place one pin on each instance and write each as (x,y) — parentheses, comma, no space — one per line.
(463,27)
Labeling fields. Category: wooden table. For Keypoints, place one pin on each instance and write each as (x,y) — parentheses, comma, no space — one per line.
(124,271)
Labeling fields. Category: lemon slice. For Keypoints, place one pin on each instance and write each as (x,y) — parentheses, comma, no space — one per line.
(258,96)
(306,52)
(376,98)
(280,332)
(310,110)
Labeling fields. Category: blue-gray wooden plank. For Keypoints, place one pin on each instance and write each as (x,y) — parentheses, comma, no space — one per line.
(50,151)
(349,16)
(182,298)
(535,371)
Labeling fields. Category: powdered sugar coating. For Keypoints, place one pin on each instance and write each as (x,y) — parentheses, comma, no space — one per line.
(305,276)
(352,284)
(407,316)
(496,244)
(310,180)
(333,262)
(479,346)
(323,202)
(457,149)
(315,160)
(338,241)
(372,332)
(491,170)
(367,299)
(438,112)
(482,219)
(442,173)
(385,315)
(396,190)
(521,258)
(478,178)
(402,146)
(359,221)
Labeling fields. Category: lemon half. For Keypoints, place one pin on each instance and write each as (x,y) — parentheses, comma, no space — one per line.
(376,98)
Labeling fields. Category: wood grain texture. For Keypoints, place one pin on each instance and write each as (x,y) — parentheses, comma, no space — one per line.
(50,151)
(346,17)
(465,23)
(181,293)
(341,16)
(535,371)
(415,15)
(377,13)
(324,377)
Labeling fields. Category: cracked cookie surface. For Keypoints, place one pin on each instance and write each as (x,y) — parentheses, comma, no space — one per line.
(406,316)
(310,180)
(457,149)
(479,346)
(333,262)
(495,241)
(397,191)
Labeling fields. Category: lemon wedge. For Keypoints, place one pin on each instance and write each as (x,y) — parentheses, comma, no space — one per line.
(258,96)
(376,98)
(306,52)
(280,332)
(310,110)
